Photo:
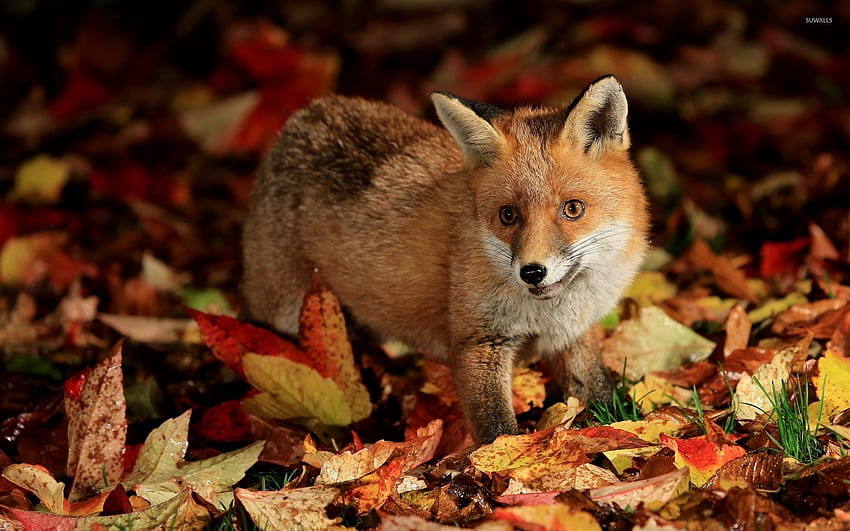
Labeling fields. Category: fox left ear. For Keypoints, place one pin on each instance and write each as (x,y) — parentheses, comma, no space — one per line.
(470,123)
(597,119)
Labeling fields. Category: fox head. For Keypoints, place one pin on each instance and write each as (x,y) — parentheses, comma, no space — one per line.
(554,190)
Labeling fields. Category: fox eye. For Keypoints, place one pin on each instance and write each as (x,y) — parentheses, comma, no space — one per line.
(574,209)
(508,215)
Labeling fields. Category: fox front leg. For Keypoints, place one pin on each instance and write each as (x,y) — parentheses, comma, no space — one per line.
(580,372)
(482,373)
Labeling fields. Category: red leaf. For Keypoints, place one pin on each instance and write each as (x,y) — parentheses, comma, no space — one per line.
(230,339)
(782,258)
(74,385)
(226,422)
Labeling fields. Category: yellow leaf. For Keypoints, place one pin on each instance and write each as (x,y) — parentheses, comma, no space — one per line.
(650,287)
(162,452)
(653,342)
(528,390)
(40,180)
(653,391)
(775,307)
(323,337)
(833,383)
(649,430)
(40,482)
(553,517)
(292,390)
(653,492)
(701,455)
(211,479)
(283,510)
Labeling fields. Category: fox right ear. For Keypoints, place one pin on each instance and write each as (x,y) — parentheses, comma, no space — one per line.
(469,122)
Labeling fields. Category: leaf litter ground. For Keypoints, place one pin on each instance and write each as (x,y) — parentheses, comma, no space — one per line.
(130,140)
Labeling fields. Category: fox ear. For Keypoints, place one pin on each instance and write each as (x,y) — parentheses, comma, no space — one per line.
(469,122)
(597,119)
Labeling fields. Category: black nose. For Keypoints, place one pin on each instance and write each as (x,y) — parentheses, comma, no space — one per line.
(532,274)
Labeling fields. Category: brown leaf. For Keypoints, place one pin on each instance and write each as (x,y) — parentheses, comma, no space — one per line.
(729,278)
(284,443)
(760,470)
(97,428)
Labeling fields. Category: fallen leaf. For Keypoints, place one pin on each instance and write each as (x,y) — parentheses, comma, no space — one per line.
(729,278)
(284,444)
(653,342)
(40,482)
(751,399)
(528,390)
(97,430)
(40,180)
(652,492)
(549,517)
(738,328)
(147,329)
(291,390)
(702,455)
(210,478)
(323,337)
(162,452)
(760,470)
(585,476)
(230,339)
(833,383)
(162,517)
(283,510)
(650,288)
(534,458)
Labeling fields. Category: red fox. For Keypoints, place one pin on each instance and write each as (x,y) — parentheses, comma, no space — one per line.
(505,234)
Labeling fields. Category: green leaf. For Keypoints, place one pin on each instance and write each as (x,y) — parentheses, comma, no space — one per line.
(291,390)
(211,478)
(163,450)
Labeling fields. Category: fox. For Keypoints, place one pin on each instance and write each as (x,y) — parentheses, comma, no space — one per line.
(502,235)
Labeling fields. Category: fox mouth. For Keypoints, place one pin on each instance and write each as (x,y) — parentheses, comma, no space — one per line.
(547,292)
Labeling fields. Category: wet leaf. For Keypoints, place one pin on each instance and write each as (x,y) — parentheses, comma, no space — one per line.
(287,509)
(97,428)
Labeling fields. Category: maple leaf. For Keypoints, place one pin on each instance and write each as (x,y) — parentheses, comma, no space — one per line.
(230,339)
(97,428)
(167,516)
(160,473)
(290,390)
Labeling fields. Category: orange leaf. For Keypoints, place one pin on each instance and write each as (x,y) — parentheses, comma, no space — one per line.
(701,455)
(324,340)
(547,518)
